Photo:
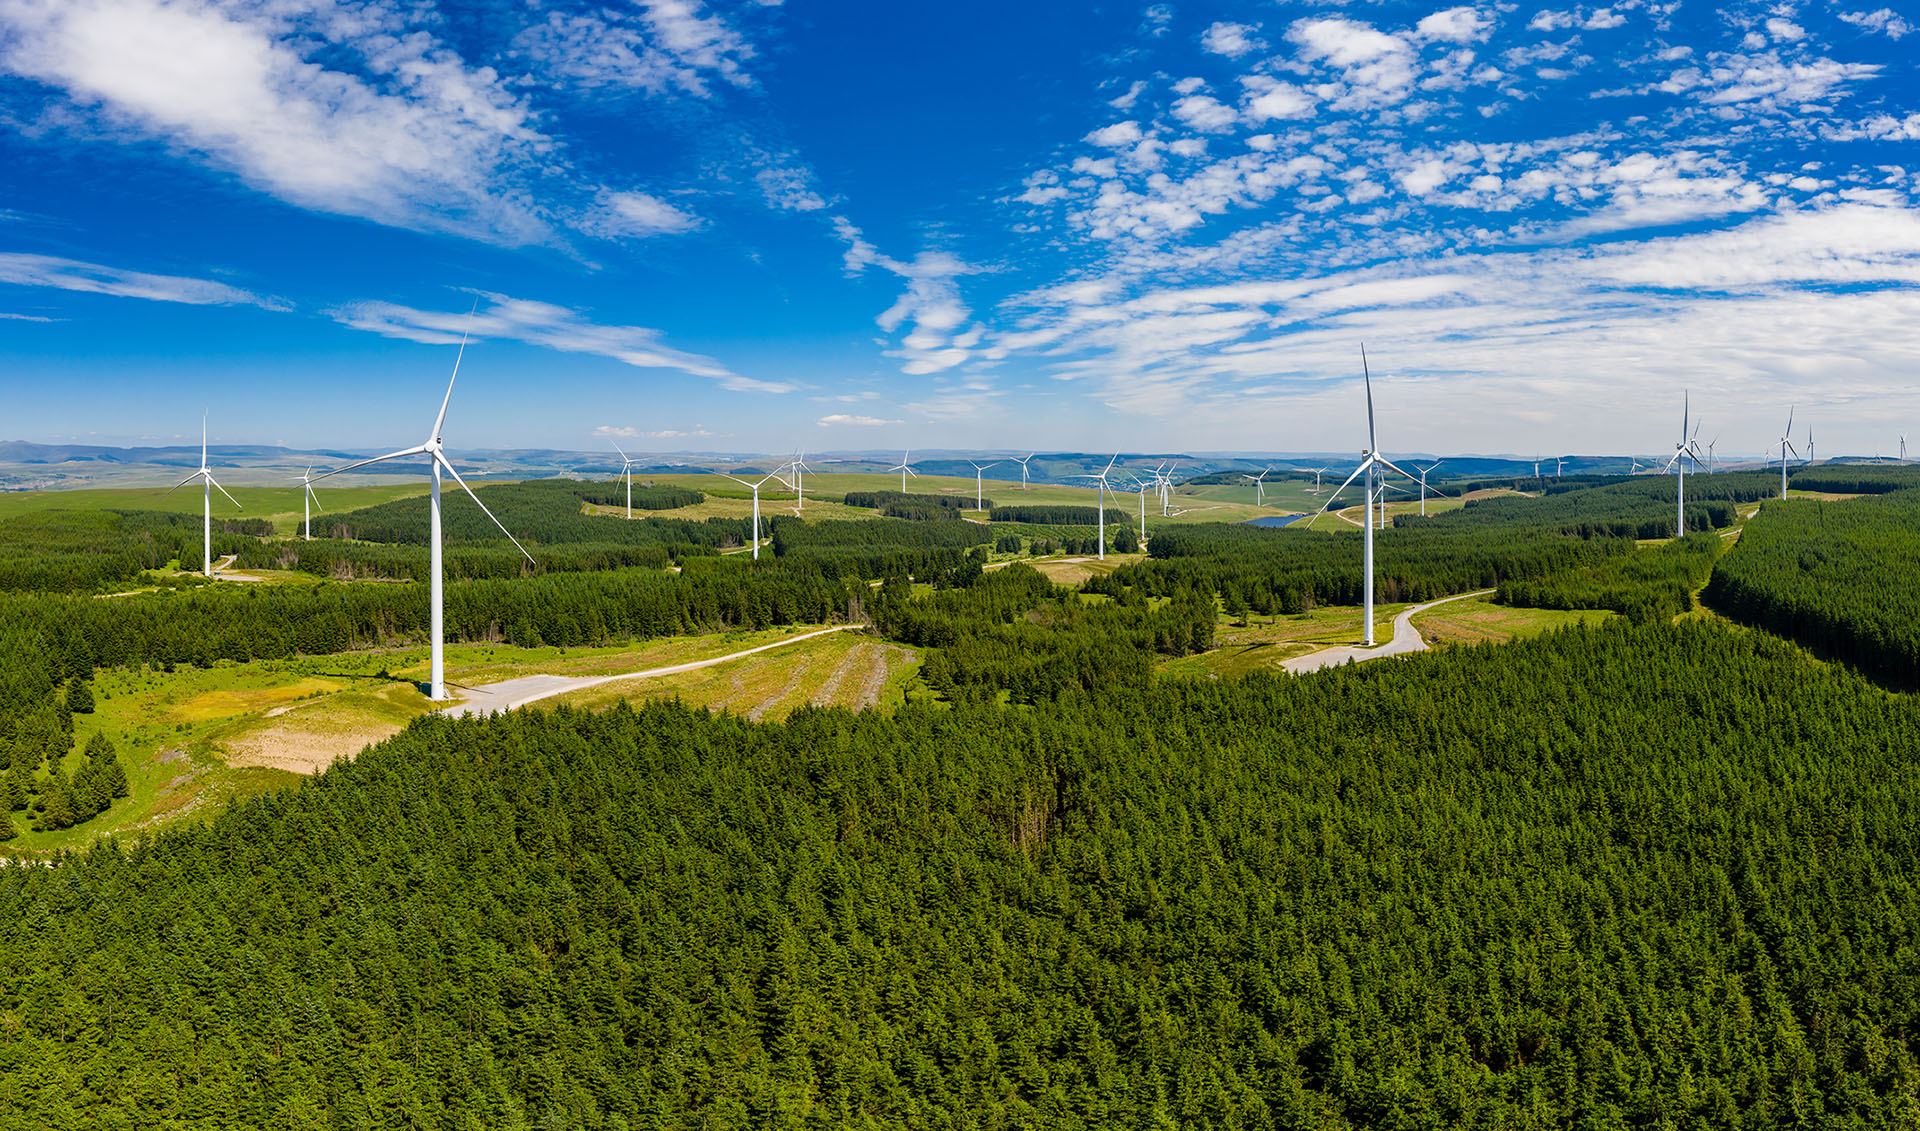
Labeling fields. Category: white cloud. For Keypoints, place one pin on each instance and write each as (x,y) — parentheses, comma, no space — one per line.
(72,275)
(8,316)
(622,214)
(1116,136)
(1376,69)
(1882,20)
(1230,39)
(789,187)
(930,307)
(1785,30)
(839,419)
(666,45)
(1206,114)
(422,140)
(546,325)
(1125,102)
(1766,82)
(1456,25)
(1268,99)
(628,432)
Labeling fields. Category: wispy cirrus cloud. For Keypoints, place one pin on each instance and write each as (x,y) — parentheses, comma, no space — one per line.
(546,325)
(26,270)
(841,419)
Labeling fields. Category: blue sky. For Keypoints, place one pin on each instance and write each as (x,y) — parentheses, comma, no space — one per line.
(751,226)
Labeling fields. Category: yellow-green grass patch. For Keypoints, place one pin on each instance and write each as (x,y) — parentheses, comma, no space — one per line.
(1477,620)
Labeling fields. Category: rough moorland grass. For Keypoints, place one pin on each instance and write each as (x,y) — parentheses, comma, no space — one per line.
(1478,620)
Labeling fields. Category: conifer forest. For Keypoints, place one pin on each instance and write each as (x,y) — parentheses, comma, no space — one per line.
(1656,865)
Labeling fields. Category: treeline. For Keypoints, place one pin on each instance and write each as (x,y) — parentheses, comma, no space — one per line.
(64,551)
(546,511)
(1854,479)
(649,541)
(1465,890)
(1642,585)
(1056,514)
(1289,571)
(1636,508)
(65,636)
(1014,631)
(938,552)
(646,496)
(912,506)
(1838,577)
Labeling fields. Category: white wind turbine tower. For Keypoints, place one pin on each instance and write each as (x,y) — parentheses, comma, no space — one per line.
(437,464)
(979,470)
(1559,467)
(1682,452)
(1809,447)
(1903,447)
(1317,473)
(1710,456)
(206,503)
(1371,461)
(1259,486)
(1141,485)
(311,500)
(1786,445)
(1104,488)
(756,503)
(626,469)
(905,469)
(1023,470)
(1423,484)
(799,467)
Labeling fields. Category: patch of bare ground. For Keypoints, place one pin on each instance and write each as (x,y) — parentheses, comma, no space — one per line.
(830,689)
(879,660)
(303,745)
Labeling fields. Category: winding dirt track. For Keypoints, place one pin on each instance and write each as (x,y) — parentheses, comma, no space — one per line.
(1406,639)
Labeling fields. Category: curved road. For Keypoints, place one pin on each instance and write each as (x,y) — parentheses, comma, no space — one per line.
(1406,639)
(511,693)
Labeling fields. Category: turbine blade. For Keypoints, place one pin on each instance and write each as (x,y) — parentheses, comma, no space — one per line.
(315,498)
(1368,374)
(1685,409)
(616,447)
(203,439)
(1364,464)
(1790,409)
(440,420)
(448,467)
(223,491)
(1385,462)
(181,484)
(417,449)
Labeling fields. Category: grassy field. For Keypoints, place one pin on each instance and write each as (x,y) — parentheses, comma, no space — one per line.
(279,504)
(1263,643)
(1477,620)
(193,738)
(846,669)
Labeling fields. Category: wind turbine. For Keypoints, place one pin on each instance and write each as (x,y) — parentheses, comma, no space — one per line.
(626,469)
(905,469)
(756,503)
(800,468)
(1682,452)
(311,500)
(1809,447)
(1903,447)
(1259,486)
(1786,445)
(1710,455)
(1023,470)
(1559,467)
(1317,473)
(978,470)
(437,463)
(1142,485)
(206,504)
(1371,461)
(1423,484)
(1104,488)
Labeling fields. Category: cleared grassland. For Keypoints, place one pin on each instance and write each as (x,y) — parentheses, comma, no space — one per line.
(1478,620)
(280,505)
(193,738)
(844,669)
(1262,643)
